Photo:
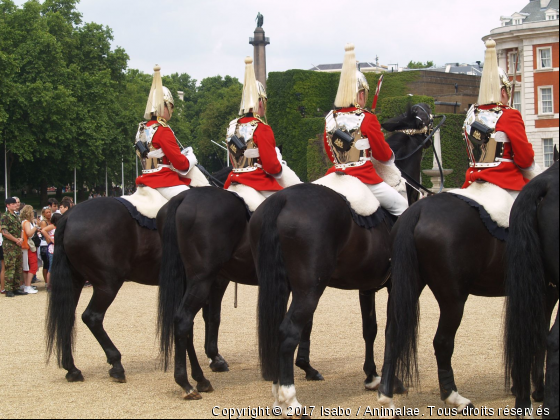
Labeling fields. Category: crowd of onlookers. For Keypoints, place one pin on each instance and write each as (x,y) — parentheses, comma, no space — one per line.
(27,243)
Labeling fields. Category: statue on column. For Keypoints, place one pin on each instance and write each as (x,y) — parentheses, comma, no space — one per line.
(260,20)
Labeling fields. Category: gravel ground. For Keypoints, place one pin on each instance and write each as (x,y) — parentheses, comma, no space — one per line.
(32,389)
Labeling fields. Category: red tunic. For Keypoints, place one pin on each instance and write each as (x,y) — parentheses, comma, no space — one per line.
(507,175)
(165,139)
(379,149)
(260,179)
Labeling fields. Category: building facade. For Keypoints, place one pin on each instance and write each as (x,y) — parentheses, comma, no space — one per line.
(527,44)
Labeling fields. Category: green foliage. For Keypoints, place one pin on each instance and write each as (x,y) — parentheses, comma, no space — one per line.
(420,65)
(453,150)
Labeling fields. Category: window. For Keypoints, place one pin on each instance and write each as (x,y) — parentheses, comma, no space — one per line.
(548,152)
(512,60)
(517,101)
(545,58)
(545,94)
(517,21)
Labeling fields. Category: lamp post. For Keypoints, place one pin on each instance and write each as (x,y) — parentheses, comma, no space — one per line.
(75,187)
(6,168)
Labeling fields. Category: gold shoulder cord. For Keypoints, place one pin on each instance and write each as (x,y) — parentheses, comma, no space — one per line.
(162,122)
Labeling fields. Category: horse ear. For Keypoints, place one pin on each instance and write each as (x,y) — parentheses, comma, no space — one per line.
(555,153)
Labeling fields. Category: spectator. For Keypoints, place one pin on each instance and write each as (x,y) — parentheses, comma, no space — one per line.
(30,266)
(43,248)
(65,205)
(48,234)
(53,204)
(11,230)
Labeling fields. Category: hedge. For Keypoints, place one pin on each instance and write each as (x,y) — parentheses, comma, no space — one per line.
(453,150)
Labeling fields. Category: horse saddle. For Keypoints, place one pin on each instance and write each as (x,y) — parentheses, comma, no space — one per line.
(494,205)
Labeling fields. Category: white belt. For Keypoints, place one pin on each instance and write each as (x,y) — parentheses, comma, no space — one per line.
(344,166)
(504,160)
(159,168)
(502,137)
(362,144)
(248,169)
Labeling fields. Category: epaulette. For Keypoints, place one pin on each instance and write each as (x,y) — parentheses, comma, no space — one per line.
(162,122)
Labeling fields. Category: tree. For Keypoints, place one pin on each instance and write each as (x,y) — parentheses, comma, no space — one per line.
(420,65)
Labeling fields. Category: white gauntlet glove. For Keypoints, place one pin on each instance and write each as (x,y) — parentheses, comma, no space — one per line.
(279,156)
(189,154)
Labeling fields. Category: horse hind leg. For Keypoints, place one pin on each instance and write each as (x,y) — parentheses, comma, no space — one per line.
(192,303)
(93,317)
(297,319)
(212,319)
(74,374)
(451,314)
(302,359)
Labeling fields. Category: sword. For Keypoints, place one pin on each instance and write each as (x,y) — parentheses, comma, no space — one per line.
(376,97)
(514,79)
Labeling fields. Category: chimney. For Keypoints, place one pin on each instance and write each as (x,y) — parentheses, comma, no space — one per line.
(544,3)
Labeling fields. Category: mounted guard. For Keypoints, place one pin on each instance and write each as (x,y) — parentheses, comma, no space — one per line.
(258,168)
(164,166)
(497,145)
(353,138)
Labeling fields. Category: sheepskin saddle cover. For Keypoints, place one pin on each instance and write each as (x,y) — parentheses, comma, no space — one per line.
(496,201)
(360,198)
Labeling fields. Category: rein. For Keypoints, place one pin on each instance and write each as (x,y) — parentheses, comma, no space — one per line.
(215,180)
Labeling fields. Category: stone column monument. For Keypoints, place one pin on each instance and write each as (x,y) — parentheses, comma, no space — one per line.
(259,42)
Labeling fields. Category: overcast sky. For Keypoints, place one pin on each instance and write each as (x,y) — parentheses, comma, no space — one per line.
(211,37)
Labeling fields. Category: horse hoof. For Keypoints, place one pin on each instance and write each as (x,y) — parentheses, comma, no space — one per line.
(219,366)
(75,376)
(314,376)
(191,396)
(470,406)
(204,386)
(538,396)
(117,376)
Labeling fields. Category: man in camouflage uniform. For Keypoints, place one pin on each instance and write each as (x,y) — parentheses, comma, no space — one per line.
(11,230)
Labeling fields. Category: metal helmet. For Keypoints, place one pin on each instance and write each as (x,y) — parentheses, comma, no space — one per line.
(160,97)
(352,81)
(253,91)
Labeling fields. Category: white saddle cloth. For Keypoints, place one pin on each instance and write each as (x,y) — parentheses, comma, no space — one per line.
(358,195)
(495,200)
(149,201)
(253,198)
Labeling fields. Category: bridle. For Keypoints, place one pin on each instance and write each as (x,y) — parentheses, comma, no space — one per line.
(410,180)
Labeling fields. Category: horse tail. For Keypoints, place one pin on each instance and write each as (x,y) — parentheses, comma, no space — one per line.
(61,310)
(172,282)
(273,289)
(404,308)
(525,324)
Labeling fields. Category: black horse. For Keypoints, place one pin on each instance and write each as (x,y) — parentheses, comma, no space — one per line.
(532,255)
(441,242)
(100,242)
(205,246)
(304,239)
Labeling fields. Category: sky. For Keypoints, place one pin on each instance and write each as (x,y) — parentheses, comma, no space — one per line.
(211,37)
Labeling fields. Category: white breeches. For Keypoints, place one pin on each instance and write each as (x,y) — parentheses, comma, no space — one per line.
(170,192)
(389,198)
(513,194)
